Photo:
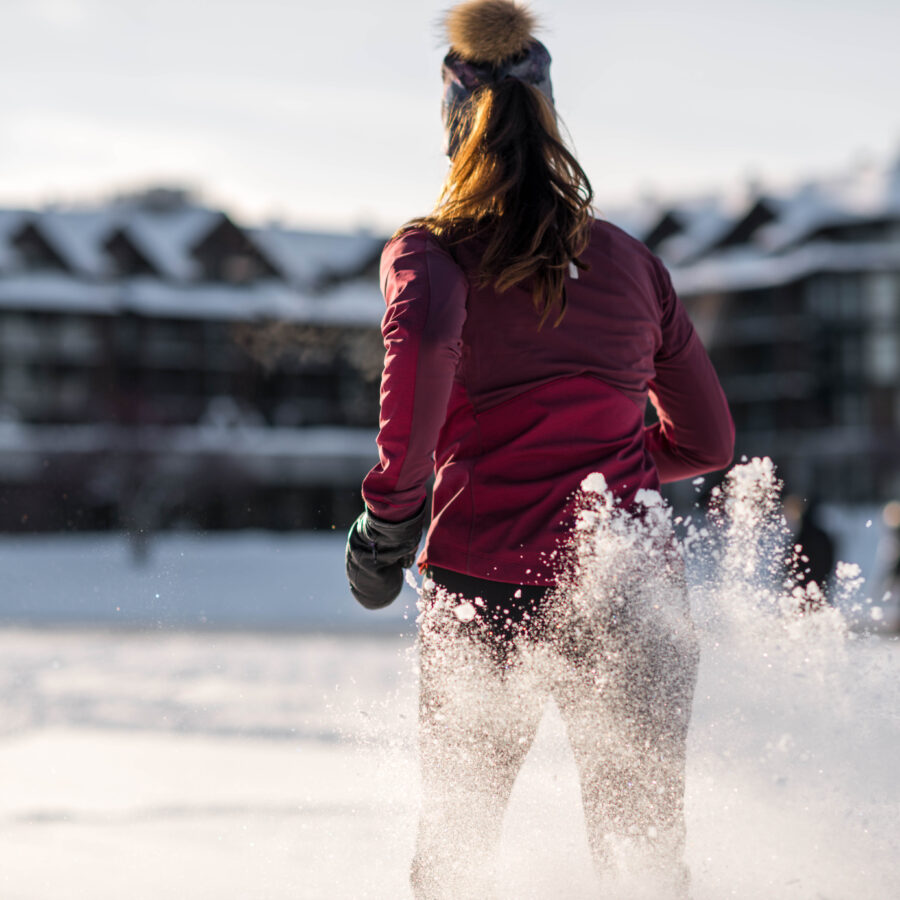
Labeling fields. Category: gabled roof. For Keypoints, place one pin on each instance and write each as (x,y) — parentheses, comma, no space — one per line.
(34,248)
(178,241)
(231,252)
(750,272)
(78,236)
(867,194)
(308,258)
(763,210)
(800,215)
(693,227)
(166,237)
(11,221)
(187,250)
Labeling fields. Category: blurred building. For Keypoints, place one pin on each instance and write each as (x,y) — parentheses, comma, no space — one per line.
(162,365)
(797,297)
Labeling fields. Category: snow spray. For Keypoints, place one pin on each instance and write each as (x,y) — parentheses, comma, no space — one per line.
(554,763)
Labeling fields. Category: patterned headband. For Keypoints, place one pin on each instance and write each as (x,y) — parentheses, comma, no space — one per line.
(462,78)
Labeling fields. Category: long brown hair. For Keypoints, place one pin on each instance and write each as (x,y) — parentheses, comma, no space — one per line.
(514,182)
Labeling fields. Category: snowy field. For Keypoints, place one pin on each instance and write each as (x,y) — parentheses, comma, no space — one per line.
(222,722)
(236,580)
(155,765)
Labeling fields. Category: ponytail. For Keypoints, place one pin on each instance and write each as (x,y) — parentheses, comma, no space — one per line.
(513,181)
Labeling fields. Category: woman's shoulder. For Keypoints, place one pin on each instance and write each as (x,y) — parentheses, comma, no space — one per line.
(414,239)
(416,249)
(606,234)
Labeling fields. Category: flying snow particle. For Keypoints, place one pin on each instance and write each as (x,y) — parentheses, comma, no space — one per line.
(595,483)
(411,579)
(465,612)
(847,570)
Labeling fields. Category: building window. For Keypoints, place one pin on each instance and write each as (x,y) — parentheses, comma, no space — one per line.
(851,357)
(882,291)
(852,410)
(849,297)
(23,335)
(883,357)
(78,339)
(822,297)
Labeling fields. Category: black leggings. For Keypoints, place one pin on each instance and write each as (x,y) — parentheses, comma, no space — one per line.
(502,610)
(622,675)
(513,599)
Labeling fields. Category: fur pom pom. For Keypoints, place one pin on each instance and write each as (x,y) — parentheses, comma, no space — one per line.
(489,31)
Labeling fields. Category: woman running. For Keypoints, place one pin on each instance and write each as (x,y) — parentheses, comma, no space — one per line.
(524,336)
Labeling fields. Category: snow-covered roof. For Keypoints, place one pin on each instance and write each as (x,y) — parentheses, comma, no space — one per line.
(167,237)
(354,303)
(869,194)
(776,237)
(78,236)
(309,257)
(710,242)
(748,270)
(11,221)
(701,222)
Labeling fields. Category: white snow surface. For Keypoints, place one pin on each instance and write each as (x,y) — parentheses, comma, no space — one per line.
(205,765)
(211,761)
(234,580)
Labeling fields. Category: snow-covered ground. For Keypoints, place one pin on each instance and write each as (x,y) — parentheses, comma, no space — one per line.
(254,579)
(222,721)
(186,580)
(155,765)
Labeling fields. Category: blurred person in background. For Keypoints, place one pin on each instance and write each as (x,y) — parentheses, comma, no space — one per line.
(814,551)
(523,338)
(888,559)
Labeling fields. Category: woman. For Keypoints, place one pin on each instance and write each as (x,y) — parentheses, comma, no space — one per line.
(523,338)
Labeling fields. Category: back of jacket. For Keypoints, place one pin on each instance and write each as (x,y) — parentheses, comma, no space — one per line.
(516,416)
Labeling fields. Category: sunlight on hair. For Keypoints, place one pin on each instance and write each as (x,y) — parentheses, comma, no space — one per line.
(515,185)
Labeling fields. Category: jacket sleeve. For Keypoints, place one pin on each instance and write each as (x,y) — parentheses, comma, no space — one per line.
(425,292)
(695,431)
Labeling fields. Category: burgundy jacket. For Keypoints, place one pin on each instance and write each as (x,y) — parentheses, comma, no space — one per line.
(511,419)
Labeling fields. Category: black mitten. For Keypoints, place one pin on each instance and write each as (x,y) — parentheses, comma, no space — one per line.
(377,553)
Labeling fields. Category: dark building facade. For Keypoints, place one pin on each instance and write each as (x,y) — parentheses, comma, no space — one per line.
(798,302)
(163,366)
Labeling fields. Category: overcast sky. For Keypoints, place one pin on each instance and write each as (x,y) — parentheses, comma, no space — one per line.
(327,112)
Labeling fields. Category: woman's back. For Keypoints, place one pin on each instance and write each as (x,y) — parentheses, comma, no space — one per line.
(523,339)
(611,328)
(517,416)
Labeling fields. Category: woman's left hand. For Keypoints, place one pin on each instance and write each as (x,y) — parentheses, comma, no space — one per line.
(377,553)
